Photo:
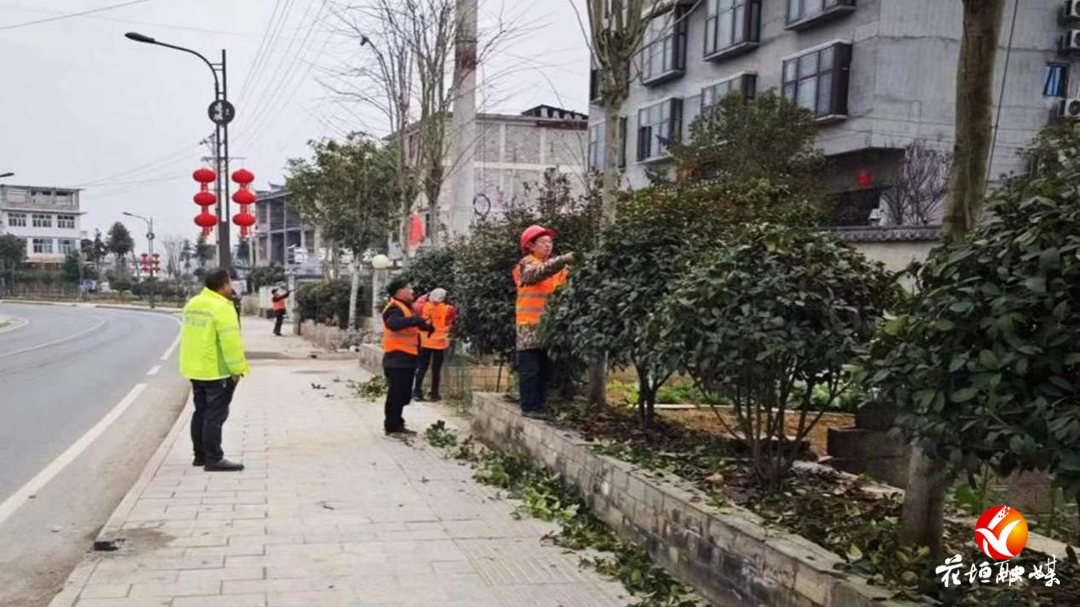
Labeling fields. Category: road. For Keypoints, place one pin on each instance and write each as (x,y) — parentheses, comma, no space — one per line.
(86,395)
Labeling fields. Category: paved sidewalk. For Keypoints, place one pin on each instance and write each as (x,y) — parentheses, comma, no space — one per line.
(329,512)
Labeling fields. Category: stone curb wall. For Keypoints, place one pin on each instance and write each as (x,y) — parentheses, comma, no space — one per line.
(728,556)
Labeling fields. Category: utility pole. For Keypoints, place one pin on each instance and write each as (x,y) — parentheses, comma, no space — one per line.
(463,184)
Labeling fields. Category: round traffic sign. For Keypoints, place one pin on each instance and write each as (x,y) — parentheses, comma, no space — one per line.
(221,112)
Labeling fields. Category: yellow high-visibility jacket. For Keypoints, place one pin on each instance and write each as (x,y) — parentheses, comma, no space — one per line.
(210,346)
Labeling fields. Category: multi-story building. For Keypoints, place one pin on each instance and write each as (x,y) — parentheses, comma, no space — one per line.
(47,218)
(510,155)
(281,237)
(877,74)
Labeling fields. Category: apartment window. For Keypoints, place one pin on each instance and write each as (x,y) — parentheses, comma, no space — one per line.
(1057,80)
(67,245)
(658,125)
(17,220)
(663,54)
(65,221)
(818,80)
(731,26)
(803,13)
(43,246)
(42,220)
(745,84)
(596,147)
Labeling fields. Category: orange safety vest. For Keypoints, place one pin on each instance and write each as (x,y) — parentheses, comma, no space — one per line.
(532,299)
(438,314)
(279,304)
(405,340)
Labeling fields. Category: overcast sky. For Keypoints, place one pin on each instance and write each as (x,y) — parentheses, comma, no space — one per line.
(84,107)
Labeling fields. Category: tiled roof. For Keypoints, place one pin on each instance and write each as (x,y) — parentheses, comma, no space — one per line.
(888,233)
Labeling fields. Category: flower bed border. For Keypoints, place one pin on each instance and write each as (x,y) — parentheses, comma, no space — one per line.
(716,552)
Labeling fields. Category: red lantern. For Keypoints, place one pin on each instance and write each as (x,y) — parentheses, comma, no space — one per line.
(205,220)
(205,198)
(204,175)
(244,197)
(865,178)
(243,176)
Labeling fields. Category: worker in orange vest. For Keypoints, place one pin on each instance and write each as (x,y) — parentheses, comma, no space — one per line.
(433,347)
(536,277)
(277,299)
(401,349)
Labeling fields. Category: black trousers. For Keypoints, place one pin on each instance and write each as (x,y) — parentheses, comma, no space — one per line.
(534,373)
(398,394)
(434,360)
(280,315)
(212,399)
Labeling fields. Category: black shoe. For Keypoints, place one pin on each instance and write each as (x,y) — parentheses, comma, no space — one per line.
(418,396)
(434,397)
(200,460)
(538,414)
(223,465)
(400,433)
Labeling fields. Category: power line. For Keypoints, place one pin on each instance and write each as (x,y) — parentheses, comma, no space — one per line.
(70,15)
(254,71)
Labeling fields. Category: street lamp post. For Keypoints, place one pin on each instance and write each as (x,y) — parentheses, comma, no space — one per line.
(150,239)
(8,174)
(221,114)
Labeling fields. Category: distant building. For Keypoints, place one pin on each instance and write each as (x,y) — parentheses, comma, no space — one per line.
(281,237)
(48,218)
(511,153)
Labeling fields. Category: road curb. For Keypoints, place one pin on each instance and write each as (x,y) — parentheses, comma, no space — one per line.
(169,311)
(108,538)
(30,302)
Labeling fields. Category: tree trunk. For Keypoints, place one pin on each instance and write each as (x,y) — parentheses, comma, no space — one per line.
(612,152)
(927,482)
(354,290)
(974,115)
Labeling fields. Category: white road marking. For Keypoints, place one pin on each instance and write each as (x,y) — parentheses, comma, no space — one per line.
(168,353)
(16,323)
(54,342)
(20,497)
(154,370)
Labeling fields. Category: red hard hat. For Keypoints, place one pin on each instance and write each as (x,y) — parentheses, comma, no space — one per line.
(531,233)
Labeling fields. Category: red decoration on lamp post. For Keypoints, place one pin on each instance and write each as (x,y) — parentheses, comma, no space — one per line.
(205,199)
(244,197)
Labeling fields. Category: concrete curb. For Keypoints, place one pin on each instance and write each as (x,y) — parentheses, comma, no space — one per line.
(111,532)
(715,551)
(169,311)
(30,302)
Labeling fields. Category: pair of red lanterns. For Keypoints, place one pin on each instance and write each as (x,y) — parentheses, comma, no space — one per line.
(206,199)
(151,263)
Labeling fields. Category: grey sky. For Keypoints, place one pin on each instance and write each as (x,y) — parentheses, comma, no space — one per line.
(85,107)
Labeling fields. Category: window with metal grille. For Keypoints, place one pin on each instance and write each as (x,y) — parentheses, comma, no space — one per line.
(43,246)
(65,221)
(731,26)
(818,80)
(42,220)
(658,125)
(17,220)
(67,245)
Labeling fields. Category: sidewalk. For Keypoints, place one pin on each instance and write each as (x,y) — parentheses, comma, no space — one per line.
(329,512)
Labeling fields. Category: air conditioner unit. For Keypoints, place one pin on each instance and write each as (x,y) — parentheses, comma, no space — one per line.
(1069,108)
(1070,42)
(1071,10)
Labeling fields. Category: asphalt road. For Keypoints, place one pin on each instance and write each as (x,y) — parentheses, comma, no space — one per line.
(70,379)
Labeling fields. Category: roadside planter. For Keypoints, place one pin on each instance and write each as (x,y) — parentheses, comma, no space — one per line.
(714,551)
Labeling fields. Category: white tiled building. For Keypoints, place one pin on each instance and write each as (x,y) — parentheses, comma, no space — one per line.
(47,218)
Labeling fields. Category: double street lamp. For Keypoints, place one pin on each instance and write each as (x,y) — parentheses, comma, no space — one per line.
(221,114)
(149,239)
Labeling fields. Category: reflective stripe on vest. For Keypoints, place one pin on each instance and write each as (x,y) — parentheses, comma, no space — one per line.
(405,340)
(437,315)
(532,299)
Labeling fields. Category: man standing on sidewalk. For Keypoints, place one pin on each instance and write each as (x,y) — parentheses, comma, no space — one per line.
(536,277)
(212,357)
(278,297)
(401,348)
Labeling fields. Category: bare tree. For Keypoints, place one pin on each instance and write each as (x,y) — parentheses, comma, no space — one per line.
(174,250)
(409,77)
(919,188)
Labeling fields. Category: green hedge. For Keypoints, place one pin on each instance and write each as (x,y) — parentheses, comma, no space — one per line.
(321,300)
